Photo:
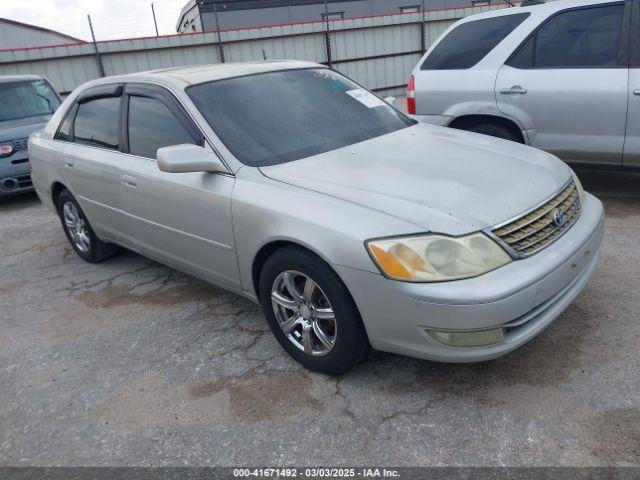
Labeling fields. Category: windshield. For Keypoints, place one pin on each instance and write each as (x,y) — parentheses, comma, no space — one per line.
(278,117)
(26,99)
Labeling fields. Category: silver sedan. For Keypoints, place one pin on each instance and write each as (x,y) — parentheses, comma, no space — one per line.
(352,225)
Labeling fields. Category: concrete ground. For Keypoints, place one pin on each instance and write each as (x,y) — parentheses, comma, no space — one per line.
(131,363)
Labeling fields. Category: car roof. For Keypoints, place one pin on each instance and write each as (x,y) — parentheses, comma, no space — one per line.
(542,9)
(184,76)
(19,78)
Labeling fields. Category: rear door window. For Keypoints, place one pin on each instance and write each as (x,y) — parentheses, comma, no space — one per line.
(584,38)
(470,42)
(97,123)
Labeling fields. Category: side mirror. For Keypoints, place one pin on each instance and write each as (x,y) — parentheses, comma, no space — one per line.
(188,158)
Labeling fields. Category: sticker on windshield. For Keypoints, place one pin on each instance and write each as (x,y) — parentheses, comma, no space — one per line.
(366,98)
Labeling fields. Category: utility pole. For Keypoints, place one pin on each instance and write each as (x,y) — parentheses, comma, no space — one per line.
(95,47)
(327,34)
(220,49)
(423,39)
(153,11)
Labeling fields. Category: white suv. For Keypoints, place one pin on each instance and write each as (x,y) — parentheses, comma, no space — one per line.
(562,76)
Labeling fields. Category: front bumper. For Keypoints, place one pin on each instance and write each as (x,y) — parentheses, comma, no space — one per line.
(15,175)
(523,298)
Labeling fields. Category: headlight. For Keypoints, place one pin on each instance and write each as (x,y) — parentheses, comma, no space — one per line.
(436,258)
(578,186)
(6,150)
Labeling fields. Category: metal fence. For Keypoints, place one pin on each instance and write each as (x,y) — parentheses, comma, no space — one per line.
(378,51)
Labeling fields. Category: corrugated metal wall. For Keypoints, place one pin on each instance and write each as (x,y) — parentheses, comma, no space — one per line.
(378,52)
(249,13)
(16,35)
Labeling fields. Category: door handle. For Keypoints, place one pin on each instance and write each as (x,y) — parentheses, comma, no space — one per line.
(129,181)
(68,164)
(516,89)
(636,92)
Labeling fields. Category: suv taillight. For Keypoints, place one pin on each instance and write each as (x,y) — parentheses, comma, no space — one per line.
(411,96)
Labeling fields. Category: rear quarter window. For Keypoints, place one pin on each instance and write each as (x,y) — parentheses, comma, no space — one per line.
(66,127)
(470,42)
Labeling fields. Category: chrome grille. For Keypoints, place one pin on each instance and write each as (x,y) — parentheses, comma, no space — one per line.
(537,229)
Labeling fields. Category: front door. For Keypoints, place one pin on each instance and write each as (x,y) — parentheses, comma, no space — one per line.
(567,83)
(182,219)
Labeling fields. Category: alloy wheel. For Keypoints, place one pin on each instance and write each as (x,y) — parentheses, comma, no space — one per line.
(76,225)
(304,313)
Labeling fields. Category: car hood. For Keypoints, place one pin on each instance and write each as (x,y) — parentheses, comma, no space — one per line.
(22,127)
(440,179)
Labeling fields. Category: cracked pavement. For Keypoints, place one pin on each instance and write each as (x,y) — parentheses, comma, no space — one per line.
(130,363)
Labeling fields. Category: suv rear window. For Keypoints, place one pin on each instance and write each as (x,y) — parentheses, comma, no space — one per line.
(470,42)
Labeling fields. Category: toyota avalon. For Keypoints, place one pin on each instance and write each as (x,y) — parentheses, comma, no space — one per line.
(352,225)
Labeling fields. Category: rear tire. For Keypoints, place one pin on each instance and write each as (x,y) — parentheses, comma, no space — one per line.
(322,309)
(79,232)
(494,130)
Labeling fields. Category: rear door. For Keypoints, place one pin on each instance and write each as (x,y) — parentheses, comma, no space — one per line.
(631,157)
(182,219)
(91,156)
(567,83)
(450,73)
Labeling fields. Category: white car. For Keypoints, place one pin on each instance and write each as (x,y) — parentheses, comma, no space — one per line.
(563,77)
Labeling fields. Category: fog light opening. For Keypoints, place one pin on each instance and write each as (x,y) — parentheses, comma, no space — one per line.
(478,338)
(10,184)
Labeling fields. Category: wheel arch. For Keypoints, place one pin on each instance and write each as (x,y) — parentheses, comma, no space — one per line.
(274,245)
(465,121)
(268,249)
(56,189)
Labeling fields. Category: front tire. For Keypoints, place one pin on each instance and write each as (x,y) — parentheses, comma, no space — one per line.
(79,232)
(311,313)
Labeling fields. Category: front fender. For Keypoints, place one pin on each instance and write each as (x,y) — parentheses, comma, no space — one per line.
(266,210)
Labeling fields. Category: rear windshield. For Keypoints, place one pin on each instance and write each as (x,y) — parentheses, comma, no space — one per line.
(282,116)
(470,42)
(26,99)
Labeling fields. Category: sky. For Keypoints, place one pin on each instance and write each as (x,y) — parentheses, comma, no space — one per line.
(111,18)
